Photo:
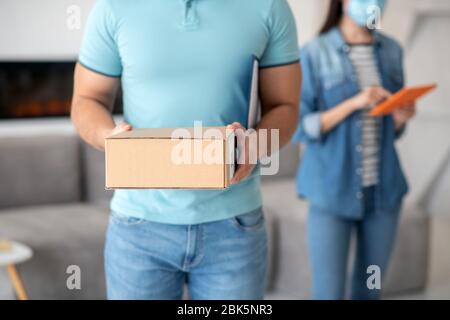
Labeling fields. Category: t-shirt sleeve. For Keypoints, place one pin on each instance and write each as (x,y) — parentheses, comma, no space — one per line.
(99,51)
(282,47)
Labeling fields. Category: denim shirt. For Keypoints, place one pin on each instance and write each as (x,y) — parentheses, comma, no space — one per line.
(329,175)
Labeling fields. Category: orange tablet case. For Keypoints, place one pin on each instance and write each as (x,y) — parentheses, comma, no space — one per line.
(404,96)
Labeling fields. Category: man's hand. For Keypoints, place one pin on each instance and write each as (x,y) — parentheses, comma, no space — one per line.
(105,133)
(279,89)
(403,115)
(121,127)
(245,161)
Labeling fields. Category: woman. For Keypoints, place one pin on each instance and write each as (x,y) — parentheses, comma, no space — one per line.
(350,172)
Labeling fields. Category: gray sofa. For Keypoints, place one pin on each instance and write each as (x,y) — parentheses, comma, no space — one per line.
(48,202)
(290,269)
(52,198)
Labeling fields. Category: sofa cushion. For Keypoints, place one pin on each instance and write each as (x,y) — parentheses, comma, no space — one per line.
(94,175)
(60,236)
(408,270)
(423,150)
(281,195)
(290,267)
(436,202)
(289,157)
(39,170)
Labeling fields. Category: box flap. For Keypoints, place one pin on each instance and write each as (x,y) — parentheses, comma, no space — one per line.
(210,133)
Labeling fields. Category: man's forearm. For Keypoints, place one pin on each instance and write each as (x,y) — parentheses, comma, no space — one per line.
(92,120)
(280,90)
(283,118)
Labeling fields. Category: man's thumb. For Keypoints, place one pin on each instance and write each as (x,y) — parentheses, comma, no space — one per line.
(122,127)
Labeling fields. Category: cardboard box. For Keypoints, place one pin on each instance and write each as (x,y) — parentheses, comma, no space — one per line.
(188,158)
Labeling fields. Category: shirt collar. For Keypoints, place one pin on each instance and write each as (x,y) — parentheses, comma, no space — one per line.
(338,41)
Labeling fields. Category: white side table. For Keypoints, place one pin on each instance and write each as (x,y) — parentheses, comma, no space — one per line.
(18,253)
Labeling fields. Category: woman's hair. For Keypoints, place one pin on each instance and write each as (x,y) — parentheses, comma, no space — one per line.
(335,13)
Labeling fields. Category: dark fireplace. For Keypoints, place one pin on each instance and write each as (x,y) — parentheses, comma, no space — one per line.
(37,89)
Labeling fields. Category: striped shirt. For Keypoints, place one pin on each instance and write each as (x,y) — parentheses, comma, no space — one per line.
(365,66)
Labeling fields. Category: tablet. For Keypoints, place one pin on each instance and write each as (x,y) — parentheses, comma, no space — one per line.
(404,96)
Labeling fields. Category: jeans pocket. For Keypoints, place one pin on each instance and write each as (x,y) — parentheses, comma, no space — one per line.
(123,219)
(251,221)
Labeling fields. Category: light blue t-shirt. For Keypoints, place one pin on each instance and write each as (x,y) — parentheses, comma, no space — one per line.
(182,61)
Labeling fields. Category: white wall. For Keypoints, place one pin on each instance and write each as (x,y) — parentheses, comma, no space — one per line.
(37,29)
(309,15)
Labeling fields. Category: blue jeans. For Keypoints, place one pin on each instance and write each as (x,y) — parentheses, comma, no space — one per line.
(329,242)
(217,260)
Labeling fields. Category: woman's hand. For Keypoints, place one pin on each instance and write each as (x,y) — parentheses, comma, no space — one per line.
(369,98)
(402,115)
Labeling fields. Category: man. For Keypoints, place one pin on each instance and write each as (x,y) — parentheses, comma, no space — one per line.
(181,61)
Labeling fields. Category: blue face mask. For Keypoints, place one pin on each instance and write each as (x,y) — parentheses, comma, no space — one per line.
(361,10)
